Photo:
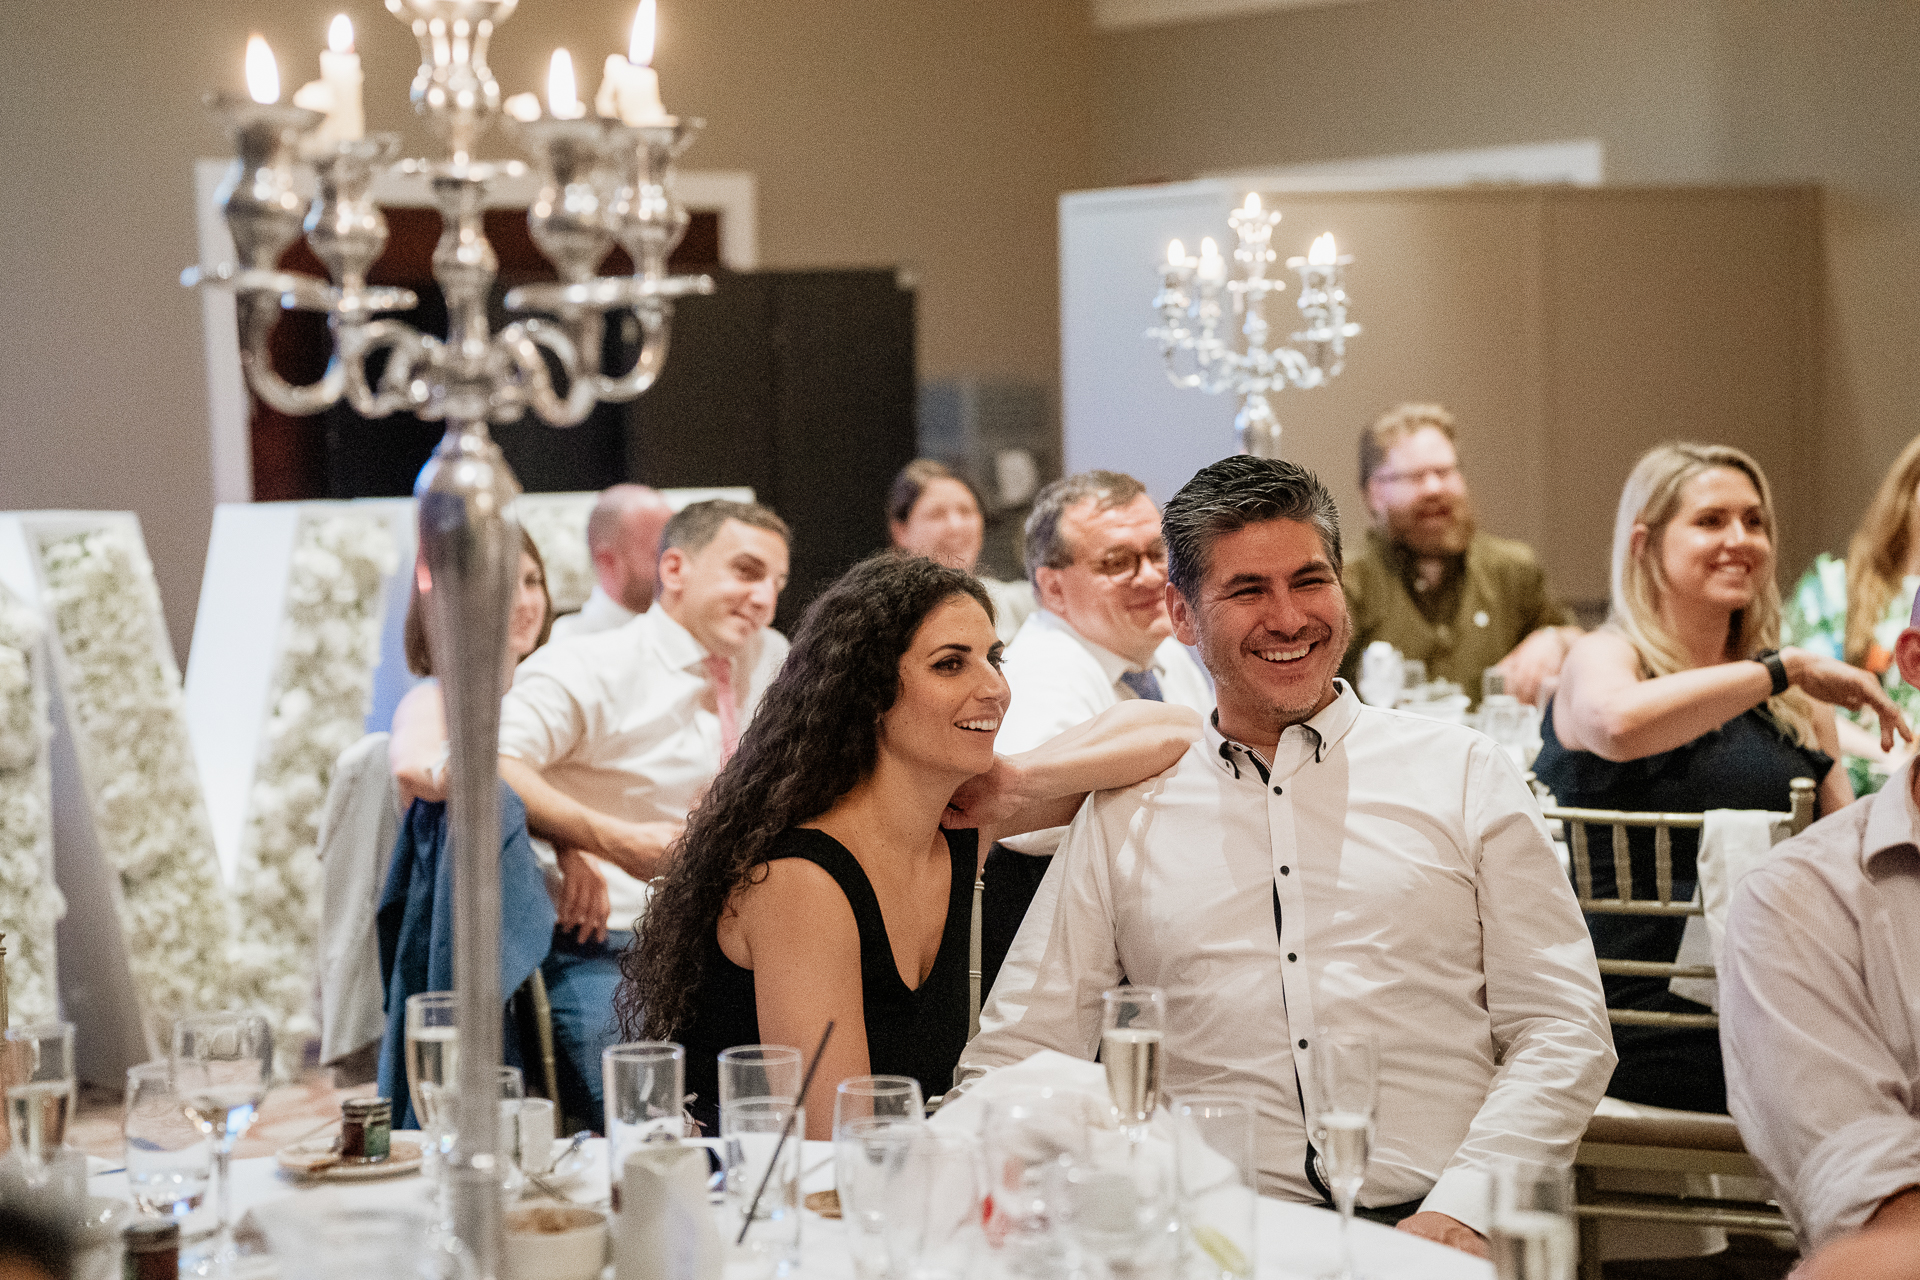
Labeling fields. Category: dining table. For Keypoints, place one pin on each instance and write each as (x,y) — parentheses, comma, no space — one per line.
(1294,1241)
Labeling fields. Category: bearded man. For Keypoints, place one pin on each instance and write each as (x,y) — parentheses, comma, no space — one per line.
(1432,585)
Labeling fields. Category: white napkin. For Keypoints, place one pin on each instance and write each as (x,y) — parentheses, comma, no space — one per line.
(1732,843)
(1078,1086)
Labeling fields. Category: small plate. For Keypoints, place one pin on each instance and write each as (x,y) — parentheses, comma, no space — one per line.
(314,1159)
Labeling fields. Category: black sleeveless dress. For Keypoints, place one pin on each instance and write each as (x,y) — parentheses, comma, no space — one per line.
(916,1032)
(1747,763)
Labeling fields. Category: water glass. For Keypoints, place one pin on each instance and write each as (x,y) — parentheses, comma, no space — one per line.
(1023,1135)
(946,1182)
(1218,1184)
(539,1125)
(1530,1223)
(875,1119)
(759,1099)
(169,1159)
(40,1093)
(1133,1025)
(645,1087)
(513,1091)
(221,1064)
(1344,1069)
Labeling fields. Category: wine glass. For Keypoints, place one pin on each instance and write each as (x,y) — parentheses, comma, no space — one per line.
(433,1069)
(38,1071)
(221,1064)
(168,1157)
(1133,1023)
(1344,1083)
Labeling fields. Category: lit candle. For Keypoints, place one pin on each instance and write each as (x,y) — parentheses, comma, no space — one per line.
(1213,268)
(1176,255)
(1322,253)
(263,74)
(524,107)
(630,89)
(340,71)
(563,100)
(1253,202)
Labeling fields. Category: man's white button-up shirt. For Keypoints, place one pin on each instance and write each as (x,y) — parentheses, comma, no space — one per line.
(1417,897)
(624,722)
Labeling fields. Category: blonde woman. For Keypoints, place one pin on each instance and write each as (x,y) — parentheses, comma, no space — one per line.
(1854,609)
(1681,703)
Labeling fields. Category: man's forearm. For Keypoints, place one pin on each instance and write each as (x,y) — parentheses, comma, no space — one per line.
(551,813)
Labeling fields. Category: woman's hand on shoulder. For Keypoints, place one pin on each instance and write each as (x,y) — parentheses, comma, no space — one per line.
(1842,685)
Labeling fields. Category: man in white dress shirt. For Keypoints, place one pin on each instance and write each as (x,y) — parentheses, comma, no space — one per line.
(1313,863)
(1101,636)
(610,738)
(623,537)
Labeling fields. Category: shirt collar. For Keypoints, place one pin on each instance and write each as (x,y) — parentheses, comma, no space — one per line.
(1110,662)
(1892,821)
(678,649)
(1310,741)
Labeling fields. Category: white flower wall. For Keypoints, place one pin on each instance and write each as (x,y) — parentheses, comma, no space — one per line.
(30,904)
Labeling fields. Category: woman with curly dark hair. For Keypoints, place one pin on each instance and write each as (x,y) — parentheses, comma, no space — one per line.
(816,879)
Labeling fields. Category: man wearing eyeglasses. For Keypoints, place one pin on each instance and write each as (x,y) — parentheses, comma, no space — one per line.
(1432,585)
(1101,636)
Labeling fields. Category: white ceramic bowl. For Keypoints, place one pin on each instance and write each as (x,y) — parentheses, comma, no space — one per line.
(555,1242)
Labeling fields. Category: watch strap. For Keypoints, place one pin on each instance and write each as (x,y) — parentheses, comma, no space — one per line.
(1776,668)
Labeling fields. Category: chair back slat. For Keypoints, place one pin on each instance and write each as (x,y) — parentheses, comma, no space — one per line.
(1582,860)
(1622,864)
(1663,863)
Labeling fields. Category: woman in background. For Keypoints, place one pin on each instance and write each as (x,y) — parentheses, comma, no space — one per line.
(1680,703)
(1854,609)
(933,513)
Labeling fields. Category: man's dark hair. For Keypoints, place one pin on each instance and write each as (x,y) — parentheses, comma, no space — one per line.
(693,527)
(1233,493)
(1046,547)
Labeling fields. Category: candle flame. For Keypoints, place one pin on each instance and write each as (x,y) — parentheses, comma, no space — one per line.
(1253,202)
(1323,254)
(640,46)
(263,74)
(1208,249)
(1176,253)
(563,98)
(340,34)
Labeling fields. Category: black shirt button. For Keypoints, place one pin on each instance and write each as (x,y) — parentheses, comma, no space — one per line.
(1303,1044)
(1277,791)
(1292,956)
(1286,871)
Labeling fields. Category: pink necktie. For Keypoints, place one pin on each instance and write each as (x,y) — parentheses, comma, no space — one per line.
(722,672)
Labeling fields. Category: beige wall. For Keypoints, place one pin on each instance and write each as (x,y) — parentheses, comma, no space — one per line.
(1679,91)
(932,136)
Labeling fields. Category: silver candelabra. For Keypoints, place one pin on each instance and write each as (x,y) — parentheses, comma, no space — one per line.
(1191,310)
(604,183)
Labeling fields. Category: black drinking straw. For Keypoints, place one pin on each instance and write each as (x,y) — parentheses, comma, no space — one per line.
(785,1130)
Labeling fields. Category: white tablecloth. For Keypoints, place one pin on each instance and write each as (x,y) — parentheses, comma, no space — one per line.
(1297,1242)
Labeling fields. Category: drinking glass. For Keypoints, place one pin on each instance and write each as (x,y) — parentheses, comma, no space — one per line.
(40,1093)
(1218,1184)
(1345,1072)
(1530,1223)
(947,1183)
(168,1157)
(875,1119)
(645,1097)
(759,1095)
(513,1091)
(1118,1203)
(221,1064)
(1133,1023)
(433,1072)
(1022,1136)
(538,1125)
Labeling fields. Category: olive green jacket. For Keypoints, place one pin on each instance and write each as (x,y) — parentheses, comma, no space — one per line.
(1502,599)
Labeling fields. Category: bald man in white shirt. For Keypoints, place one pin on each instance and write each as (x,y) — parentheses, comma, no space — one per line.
(610,738)
(1312,863)
(623,539)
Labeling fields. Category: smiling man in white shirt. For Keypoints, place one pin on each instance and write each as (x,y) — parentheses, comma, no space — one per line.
(1100,637)
(1313,863)
(610,738)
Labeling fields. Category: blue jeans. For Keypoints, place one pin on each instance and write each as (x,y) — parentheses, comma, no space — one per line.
(581,977)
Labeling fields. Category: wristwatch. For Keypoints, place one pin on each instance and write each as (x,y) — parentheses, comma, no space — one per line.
(1770,659)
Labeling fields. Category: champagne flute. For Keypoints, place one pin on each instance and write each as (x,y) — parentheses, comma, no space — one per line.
(221,1065)
(38,1071)
(1133,1024)
(1345,1081)
(433,1068)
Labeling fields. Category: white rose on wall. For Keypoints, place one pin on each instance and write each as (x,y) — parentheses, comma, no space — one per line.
(30,903)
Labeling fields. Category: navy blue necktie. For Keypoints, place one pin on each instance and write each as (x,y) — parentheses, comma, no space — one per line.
(1144,685)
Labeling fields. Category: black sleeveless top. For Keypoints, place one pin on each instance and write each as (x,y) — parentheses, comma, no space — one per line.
(1747,763)
(916,1032)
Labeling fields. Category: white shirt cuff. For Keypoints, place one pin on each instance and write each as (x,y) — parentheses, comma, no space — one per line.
(1462,1195)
